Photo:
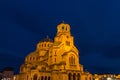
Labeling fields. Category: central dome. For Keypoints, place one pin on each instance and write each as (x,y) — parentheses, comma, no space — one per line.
(47,39)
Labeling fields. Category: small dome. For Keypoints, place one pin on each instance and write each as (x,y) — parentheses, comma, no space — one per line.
(47,39)
(32,54)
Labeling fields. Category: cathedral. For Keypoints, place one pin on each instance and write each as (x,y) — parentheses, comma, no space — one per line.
(56,59)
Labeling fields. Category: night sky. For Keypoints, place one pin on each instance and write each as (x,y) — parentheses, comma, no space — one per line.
(95,25)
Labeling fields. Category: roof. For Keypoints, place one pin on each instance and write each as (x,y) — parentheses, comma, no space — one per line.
(8,69)
(32,54)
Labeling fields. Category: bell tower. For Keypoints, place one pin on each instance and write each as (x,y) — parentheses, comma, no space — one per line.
(63,34)
(63,28)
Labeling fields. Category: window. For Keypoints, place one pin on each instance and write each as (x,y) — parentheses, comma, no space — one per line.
(33,58)
(72,60)
(55,59)
(30,58)
(67,43)
(66,28)
(48,45)
(62,27)
(67,36)
(55,54)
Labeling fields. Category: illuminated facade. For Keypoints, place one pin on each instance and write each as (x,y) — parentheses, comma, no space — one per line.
(54,60)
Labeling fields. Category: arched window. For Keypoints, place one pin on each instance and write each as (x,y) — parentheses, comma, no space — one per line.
(67,43)
(69,76)
(35,77)
(72,60)
(30,58)
(33,58)
(48,45)
(66,28)
(62,27)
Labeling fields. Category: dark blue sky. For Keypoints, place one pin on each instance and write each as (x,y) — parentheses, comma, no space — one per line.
(95,25)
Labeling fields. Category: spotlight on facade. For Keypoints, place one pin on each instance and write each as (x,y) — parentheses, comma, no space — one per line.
(109,78)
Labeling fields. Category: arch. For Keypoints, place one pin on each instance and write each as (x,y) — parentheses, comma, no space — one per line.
(45,45)
(66,28)
(72,60)
(62,27)
(78,76)
(41,77)
(30,58)
(33,58)
(90,78)
(74,76)
(49,78)
(35,77)
(48,45)
(45,77)
(69,76)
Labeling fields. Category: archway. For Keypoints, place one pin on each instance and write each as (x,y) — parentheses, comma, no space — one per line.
(69,76)
(74,76)
(49,78)
(35,77)
(41,77)
(78,76)
(45,77)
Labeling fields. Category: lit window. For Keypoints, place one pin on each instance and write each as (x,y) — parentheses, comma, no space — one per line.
(72,60)
(67,43)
